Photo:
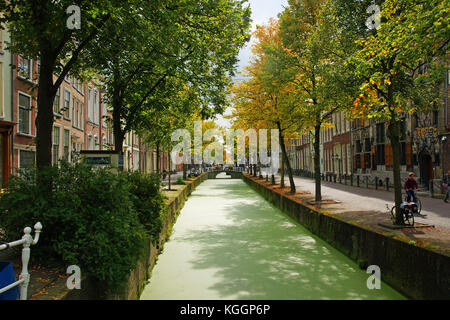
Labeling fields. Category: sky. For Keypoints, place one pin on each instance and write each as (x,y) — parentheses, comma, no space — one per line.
(262,11)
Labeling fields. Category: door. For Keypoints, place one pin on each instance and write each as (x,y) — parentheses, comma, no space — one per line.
(426,169)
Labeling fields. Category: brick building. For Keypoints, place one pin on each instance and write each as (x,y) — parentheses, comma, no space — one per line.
(362,147)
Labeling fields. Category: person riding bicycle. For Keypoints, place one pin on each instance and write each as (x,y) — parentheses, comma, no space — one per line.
(410,186)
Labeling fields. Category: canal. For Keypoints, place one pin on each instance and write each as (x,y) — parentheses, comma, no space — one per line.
(230,243)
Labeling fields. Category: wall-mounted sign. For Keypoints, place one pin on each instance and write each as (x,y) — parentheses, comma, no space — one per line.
(102,158)
(100,161)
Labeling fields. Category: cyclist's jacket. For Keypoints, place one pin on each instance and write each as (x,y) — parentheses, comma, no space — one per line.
(411,184)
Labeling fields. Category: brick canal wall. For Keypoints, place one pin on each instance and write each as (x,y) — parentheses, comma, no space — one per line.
(416,272)
(93,290)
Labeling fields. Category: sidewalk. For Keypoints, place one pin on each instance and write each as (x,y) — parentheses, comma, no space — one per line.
(367,208)
(361,199)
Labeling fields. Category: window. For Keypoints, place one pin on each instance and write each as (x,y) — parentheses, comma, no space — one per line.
(367,145)
(435,118)
(380,154)
(56,102)
(81,115)
(24,114)
(90,146)
(381,136)
(66,144)
(26,159)
(55,145)
(104,119)
(358,161)
(403,154)
(358,146)
(38,67)
(367,163)
(24,68)
(77,114)
(66,104)
(90,105)
(76,83)
(96,107)
(381,139)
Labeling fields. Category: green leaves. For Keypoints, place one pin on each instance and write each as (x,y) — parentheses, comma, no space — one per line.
(95,219)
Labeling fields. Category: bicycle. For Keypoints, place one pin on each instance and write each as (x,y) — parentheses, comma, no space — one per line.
(418,202)
(408,210)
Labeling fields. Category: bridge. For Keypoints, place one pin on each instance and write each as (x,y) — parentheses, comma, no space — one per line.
(235,173)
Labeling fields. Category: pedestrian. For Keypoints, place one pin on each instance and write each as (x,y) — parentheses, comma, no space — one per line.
(410,186)
(446,181)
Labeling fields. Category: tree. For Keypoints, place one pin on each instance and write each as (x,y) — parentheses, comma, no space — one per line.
(266,99)
(312,56)
(40,31)
(402,65)
(194,42)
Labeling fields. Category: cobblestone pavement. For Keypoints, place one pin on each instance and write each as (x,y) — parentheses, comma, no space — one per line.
(436,210)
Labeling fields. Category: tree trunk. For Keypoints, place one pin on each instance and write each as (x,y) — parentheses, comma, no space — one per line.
(260,171)
(170,186)
(282,171)
(184,172)
(286,160)
(317,163)
(158,159)
(394,134)
(118,132)
(44,119)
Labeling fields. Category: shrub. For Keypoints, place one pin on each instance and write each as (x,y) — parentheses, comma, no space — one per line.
(148,201)
(180,181)
(91,218)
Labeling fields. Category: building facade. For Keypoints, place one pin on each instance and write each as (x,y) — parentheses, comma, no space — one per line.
(7,123)
(362,147)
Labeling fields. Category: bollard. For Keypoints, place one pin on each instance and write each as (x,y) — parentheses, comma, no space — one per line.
(334,178)
(376,183)
(357,181)
(367,182)
(431,184)
(387,183)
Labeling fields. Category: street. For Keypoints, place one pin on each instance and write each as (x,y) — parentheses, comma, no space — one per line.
(436,210)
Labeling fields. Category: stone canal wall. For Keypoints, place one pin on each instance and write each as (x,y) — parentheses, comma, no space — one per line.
(416,272)
(92,290)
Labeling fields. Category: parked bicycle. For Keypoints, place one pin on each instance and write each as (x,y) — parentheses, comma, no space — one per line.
(407,209)
(418,202)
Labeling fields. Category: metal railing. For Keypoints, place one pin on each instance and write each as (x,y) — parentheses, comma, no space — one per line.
(27,240)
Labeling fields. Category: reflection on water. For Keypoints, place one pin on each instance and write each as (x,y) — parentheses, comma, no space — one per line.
(230,243)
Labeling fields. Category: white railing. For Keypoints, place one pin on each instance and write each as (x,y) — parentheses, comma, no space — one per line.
(27,240)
